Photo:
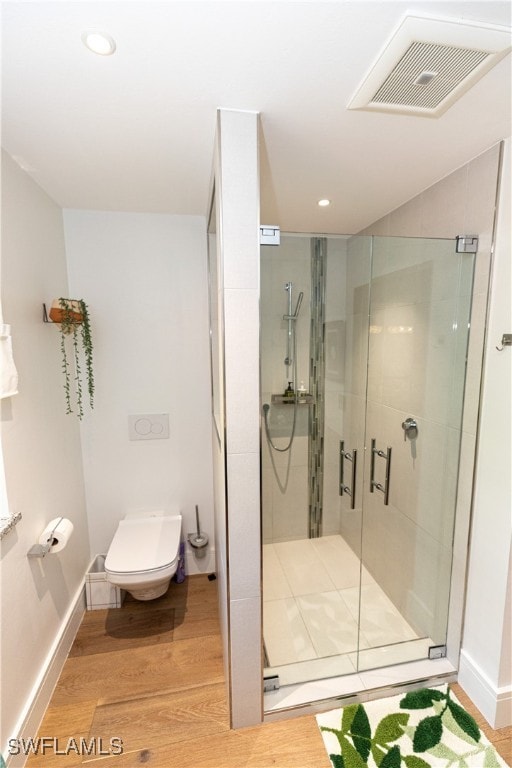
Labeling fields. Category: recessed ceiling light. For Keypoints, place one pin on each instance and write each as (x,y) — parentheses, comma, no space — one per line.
(99,42)
(324,203)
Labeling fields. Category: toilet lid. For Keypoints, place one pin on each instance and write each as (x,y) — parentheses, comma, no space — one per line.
(144,544)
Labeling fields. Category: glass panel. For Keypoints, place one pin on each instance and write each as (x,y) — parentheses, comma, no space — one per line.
(311,534)
(420,298)
(379,337)
(285,274)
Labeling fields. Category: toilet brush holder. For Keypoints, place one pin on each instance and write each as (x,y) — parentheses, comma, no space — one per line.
(198,541)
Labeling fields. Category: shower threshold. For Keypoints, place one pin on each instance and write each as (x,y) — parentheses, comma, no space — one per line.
(324,694)
(348,664)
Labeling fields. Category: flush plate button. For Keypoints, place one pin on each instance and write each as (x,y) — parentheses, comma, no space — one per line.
(152,426)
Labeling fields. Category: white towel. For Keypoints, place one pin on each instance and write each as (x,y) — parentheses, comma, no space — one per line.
(8,372)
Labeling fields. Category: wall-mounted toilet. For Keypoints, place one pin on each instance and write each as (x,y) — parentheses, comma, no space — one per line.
(144,554)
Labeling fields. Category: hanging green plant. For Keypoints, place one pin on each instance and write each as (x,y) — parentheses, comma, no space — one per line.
(73,317)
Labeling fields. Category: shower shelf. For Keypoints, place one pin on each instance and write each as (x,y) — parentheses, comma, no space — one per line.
(282,400)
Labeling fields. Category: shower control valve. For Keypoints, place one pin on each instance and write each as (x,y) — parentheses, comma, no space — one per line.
(410,428)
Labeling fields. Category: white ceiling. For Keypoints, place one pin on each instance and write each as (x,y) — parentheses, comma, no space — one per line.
(134,131)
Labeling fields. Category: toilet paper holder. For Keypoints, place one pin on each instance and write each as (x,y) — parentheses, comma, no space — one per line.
(41,550)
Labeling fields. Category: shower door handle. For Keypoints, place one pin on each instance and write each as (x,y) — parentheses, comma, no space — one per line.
(373,484)
(352,457)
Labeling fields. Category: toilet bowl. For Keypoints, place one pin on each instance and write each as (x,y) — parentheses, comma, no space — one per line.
(144,553)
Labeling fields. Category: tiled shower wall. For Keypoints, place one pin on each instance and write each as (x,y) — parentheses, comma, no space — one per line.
(317,385)
(285,475)
(336,381)
(285,492)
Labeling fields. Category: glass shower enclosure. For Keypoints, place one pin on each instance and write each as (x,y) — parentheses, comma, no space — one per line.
(360,452)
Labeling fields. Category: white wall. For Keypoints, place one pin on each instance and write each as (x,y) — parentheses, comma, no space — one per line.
(486,654)
(144,278)
(41,447)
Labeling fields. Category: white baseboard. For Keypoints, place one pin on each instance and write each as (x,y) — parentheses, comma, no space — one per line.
(41,693)
(495,704)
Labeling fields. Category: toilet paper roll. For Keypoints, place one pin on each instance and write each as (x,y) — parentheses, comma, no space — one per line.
(62,529)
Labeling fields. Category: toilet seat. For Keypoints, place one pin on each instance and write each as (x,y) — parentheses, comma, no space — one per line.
(149,572)
(143,546)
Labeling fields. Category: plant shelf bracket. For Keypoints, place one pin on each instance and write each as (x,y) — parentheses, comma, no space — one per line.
(46,318)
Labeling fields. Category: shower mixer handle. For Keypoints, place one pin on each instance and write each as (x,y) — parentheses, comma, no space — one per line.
(410,428)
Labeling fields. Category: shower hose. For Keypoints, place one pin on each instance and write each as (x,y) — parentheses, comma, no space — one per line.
(266,406)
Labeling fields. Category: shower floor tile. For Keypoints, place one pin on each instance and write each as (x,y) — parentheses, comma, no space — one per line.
(286,637)
(303,567)
(381,622)
(340,562)
(331,627)
(275,585)
(311,611)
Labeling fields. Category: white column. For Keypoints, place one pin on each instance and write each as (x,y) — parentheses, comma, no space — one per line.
(237,195)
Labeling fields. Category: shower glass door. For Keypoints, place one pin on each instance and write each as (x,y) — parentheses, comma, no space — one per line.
(419,311)
(358,512)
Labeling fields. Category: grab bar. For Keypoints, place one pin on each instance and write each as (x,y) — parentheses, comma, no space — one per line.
(342,487)
(373,484)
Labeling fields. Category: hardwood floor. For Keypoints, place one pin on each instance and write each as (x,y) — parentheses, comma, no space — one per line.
(152,675)
(501,739)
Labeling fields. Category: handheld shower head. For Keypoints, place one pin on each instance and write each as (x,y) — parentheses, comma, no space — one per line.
(266,408)
(297,308)
(299,302)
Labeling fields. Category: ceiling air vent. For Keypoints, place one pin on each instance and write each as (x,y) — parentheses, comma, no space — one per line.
(428,65)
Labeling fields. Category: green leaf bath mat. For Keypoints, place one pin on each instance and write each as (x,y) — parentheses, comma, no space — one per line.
(427,728)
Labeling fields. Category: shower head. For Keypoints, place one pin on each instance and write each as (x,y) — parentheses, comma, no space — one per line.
(266,408)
